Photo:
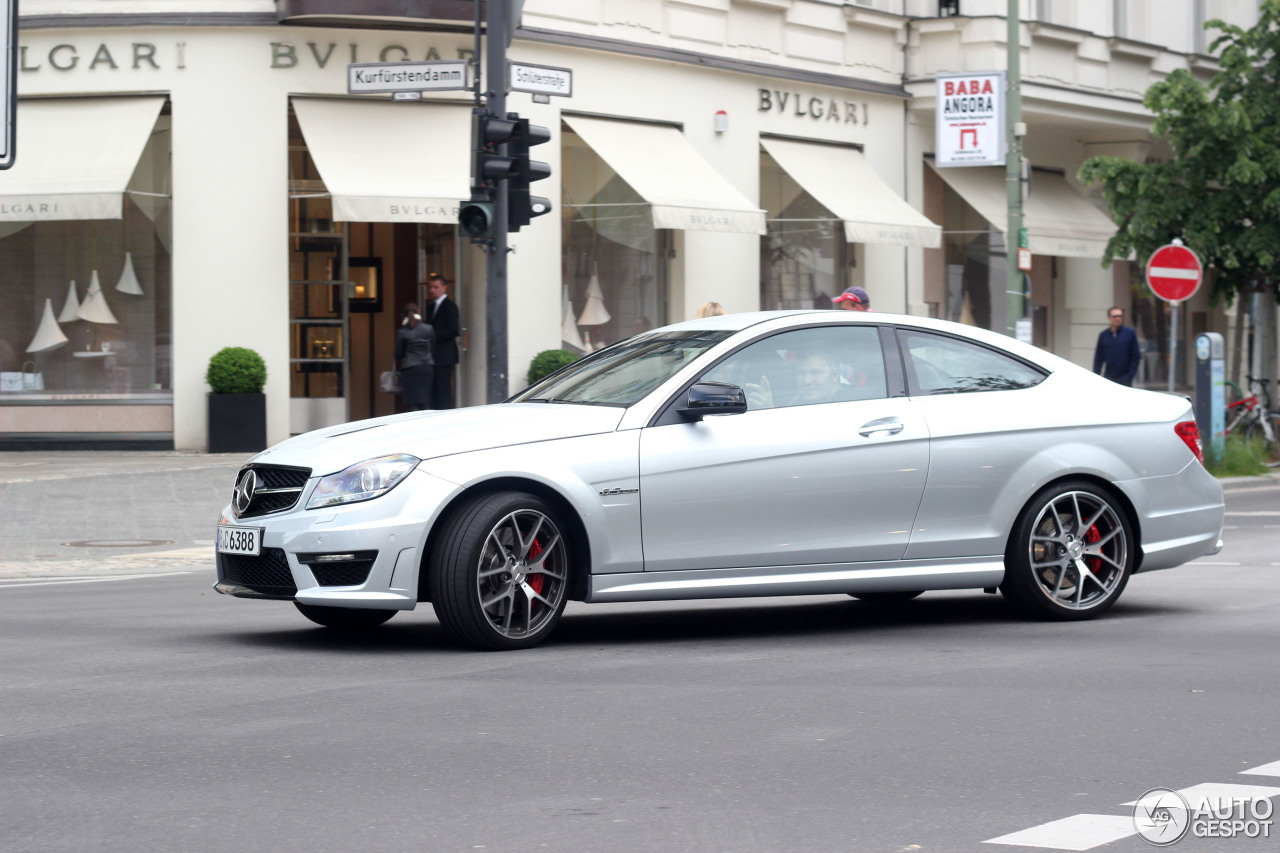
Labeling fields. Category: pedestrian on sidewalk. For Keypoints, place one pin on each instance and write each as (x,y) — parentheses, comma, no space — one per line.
(1117,355)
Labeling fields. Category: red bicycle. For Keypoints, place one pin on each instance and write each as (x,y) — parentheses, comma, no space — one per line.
(1252,416)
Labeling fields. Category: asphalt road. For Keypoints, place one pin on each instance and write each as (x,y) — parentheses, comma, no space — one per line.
(150,713)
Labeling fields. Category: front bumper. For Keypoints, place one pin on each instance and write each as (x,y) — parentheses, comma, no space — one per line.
(392,529)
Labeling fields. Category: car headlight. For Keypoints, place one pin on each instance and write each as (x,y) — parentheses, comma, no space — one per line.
(363,481)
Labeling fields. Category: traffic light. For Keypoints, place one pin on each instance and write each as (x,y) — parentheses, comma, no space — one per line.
(492,165)
(521,206)
(476,217)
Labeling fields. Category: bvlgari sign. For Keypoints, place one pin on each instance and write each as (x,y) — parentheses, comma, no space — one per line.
(970,119)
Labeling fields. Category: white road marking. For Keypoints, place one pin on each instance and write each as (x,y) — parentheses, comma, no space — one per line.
(1266,512)
(1272,769)
(92,580)
(1218,794)
(1078,832)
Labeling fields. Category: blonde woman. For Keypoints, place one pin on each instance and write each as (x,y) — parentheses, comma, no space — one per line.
(709,309)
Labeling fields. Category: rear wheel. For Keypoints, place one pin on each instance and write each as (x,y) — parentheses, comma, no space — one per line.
(1071,553)
(347,618)
(886,597)
(499,576)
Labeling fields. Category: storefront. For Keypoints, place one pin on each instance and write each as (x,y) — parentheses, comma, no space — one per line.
(241,198)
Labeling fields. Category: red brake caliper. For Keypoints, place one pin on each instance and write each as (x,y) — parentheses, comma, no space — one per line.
(535,581)
(1094,563)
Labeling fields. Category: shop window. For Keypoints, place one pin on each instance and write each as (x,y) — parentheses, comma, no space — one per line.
(975,265)
(614,260)
(805,260)
(87,303)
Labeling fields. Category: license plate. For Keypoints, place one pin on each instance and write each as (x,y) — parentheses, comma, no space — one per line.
(240,540)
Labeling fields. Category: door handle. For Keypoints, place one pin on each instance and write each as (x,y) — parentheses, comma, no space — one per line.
(893,426)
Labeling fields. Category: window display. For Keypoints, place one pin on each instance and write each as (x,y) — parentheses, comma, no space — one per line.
(805,260)
(615,272)
(87,305)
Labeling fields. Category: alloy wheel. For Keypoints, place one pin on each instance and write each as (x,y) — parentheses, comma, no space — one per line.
(1078,550)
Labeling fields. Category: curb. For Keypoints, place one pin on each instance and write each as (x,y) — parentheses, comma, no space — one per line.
(1261,481)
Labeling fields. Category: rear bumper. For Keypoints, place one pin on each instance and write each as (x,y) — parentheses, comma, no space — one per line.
(1180,516)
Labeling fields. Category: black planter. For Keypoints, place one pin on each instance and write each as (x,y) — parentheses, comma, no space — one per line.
(237,423)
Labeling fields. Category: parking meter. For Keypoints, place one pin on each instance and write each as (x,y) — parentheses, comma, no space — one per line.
(1210,399)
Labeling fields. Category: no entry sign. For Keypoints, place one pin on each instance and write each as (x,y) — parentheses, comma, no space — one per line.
(1174,273)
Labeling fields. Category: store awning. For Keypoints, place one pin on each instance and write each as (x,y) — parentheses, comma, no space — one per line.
(1059,220)
(384,161)
(844,182)
(74,157)
(683,190)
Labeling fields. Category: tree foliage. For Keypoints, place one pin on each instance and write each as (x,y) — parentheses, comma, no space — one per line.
(1220,193)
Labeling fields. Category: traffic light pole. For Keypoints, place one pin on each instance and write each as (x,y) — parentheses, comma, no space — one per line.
(496,263)
(1015,301)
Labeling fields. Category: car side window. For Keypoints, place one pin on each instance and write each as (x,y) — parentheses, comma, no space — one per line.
(828,364)
(942,365)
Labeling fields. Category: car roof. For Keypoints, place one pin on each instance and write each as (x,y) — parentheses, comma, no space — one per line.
(750,319)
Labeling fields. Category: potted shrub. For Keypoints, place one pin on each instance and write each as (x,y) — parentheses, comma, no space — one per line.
(237,406)
(548,362)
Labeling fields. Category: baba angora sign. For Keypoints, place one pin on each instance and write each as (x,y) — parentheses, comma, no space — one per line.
(970,119)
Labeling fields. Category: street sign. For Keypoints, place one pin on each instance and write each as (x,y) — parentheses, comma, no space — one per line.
(969,119)
(540,79)
(369,78)
(8,81)
(1174,272)
(1024,260)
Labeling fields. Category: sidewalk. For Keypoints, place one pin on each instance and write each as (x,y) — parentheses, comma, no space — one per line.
(99,513)
(94,513)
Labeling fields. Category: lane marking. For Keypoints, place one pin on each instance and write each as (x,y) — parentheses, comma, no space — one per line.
(1272,769)
(1270,513)
(1078,832)
(1217,794)
(93,580)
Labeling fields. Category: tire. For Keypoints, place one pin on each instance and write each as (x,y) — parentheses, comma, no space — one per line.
(499,574)
(887,597)
(1058,567)
(345,618)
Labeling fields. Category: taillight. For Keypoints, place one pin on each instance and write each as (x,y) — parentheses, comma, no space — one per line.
(1190,433)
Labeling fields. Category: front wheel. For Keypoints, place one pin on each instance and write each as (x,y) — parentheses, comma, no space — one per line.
(499,574)
(346,618)
(1071,553)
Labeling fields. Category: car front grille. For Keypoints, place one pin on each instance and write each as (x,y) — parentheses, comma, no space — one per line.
(279,488)
(353,572)
(267,574)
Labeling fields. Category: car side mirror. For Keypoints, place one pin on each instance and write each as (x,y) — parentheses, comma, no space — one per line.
(713,398)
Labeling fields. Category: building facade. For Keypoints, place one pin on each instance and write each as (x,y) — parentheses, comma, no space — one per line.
(194,175)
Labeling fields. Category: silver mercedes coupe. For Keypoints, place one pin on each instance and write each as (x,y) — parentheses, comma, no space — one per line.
(778,453)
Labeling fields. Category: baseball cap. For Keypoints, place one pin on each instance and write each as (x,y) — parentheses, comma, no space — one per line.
(852,294)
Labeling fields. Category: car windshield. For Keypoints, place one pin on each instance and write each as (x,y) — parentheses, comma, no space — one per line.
(622,374)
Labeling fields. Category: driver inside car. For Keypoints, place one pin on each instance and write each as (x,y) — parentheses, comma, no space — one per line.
(817,380)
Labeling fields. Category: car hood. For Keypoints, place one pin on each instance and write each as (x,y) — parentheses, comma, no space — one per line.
(432,434)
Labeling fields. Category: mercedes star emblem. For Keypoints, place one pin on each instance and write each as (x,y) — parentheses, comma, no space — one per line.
(245,488)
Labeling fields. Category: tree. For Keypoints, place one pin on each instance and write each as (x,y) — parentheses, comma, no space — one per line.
(1221,191)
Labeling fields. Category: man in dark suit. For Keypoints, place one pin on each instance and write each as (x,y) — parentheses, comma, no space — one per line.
(442,314)
(1117,355)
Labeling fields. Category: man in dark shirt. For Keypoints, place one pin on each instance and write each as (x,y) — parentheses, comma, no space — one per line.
(1117,355)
